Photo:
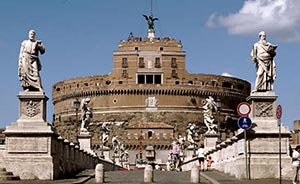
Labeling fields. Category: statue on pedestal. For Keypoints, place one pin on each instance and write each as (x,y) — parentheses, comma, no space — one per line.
(86,115)
(262,55)
(105,133)
(29,63)
(115,144)
(191,133)
(208,107)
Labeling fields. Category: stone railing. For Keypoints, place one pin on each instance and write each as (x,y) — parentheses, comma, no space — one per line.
(69,159)
(262,157)
(2,152)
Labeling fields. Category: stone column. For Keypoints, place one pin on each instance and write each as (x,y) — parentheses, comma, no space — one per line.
(148,174)
(195,174)
(99,173)
(67,164)
(77,165)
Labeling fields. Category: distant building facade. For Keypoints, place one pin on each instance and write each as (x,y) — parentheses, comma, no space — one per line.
(2,136)
(150,90)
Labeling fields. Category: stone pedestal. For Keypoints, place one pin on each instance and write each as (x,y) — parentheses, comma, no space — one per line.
(210,141)
(263,141)
(85,141)
(28,140)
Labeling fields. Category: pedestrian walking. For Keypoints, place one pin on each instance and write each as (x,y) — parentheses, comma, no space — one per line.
(200,153)
(296,164)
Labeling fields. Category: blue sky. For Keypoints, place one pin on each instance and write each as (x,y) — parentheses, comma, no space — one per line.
(80,36)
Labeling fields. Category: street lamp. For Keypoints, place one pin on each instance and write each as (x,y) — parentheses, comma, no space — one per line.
(76,105)
(218,104)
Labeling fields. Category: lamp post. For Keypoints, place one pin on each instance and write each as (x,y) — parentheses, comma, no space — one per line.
(218,104)
(76,104)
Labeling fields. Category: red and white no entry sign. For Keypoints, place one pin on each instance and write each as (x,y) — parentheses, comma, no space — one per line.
(243,109)
(278,112)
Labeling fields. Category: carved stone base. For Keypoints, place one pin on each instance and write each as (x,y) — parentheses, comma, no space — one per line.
(263,147)
(263,113)
(28,140)
(210,141)
(85,142)
(32,114)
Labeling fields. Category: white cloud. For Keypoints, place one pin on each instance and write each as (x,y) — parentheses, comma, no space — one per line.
(227,74)
(280,18)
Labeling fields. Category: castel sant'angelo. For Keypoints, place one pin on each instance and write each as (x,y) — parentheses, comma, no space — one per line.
(148,96)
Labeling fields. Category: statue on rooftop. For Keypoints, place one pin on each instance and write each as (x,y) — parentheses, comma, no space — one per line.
(29,63)
(150,19)
(262,55)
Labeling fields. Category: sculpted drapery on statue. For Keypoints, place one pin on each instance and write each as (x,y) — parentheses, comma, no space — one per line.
(208,107)
(86,114)
(29,63)
(262,55)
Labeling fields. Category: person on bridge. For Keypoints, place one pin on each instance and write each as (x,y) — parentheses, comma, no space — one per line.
(296,164)
(200,153)
(175,154)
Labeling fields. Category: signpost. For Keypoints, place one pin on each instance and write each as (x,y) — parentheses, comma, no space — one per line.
(243,109)
(244,122)
(278,116)
(278,112)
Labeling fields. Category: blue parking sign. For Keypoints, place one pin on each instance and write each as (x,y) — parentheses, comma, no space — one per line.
(244,123)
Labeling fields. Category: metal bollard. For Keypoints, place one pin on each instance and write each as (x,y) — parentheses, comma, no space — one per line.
(148,174)
(195,175)
(99,173)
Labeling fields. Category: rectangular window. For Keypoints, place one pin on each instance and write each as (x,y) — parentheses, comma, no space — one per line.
(173,63)
(124,60)
(157,79)
(125,74)
(149,79)
(124,63)
(141,79)
(141,62)
(157,62)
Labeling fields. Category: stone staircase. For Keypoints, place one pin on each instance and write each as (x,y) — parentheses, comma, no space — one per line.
(4,175)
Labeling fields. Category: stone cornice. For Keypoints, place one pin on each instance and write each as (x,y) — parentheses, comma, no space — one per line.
(163,91)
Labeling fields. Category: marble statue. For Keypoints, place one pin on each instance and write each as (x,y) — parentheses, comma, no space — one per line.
(122,151)
(150,19)
(262,55)
(191,133)
(115,144)
(208,107)
(86,114)
(29,63)
(105,133)
(181,141)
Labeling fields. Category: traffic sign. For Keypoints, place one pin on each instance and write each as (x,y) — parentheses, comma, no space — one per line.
(278,112)
(244,122)
(243,109)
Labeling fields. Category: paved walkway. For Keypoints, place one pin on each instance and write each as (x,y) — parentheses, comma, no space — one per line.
(168,177)
(216,177)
